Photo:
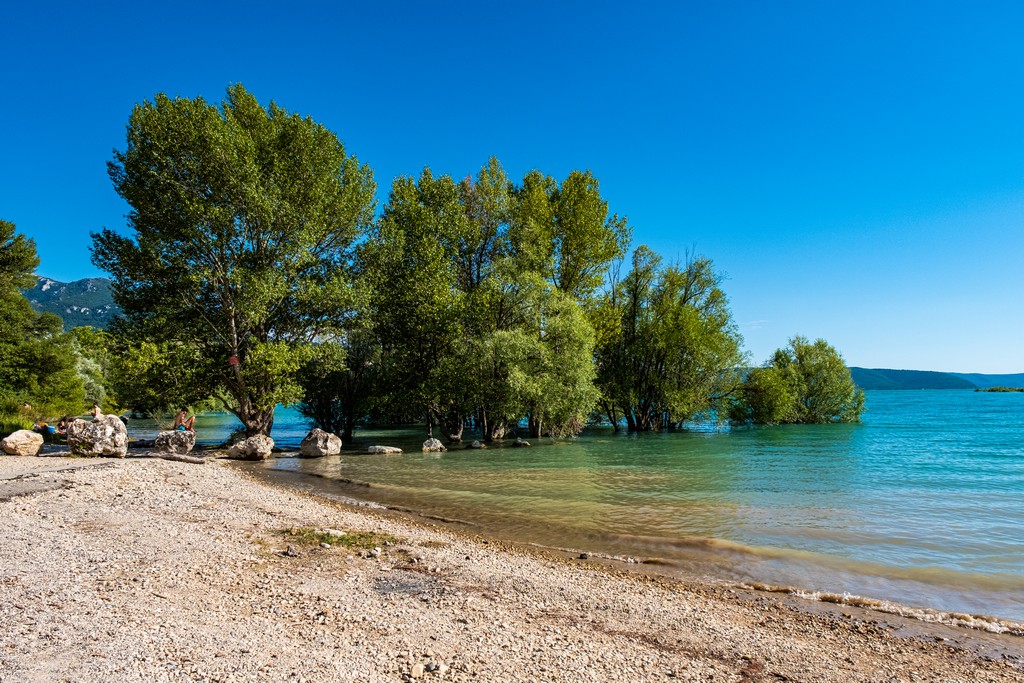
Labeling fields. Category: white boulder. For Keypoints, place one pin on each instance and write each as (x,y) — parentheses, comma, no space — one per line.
(319,443)
(177,441)
(22,442)
(384,450)
(256,447)
(105,435)
(433,446)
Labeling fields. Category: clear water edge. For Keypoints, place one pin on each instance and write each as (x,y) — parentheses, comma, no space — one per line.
(921,505)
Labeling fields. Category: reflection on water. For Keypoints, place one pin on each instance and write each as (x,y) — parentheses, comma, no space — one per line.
(214,429)
(923,503)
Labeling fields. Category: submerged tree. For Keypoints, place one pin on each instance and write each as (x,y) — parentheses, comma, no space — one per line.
(806,383)
(476,289)
(669,347)
(243,218)
(340,383)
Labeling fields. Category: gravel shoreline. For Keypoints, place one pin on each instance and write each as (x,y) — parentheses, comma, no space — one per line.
(151,570)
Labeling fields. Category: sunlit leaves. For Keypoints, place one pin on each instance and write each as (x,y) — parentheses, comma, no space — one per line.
(243,219)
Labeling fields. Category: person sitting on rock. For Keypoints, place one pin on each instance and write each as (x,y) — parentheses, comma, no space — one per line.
(96,412)
(182,422)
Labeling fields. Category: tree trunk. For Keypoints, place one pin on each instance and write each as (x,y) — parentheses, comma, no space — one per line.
(535,426)
(455,435)
(259,422)
(613,417)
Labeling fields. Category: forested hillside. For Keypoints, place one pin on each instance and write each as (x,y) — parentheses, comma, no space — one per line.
(883,378)
(1015,381)
(78,303)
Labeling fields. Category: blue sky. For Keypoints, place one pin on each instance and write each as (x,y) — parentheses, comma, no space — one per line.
(857,172)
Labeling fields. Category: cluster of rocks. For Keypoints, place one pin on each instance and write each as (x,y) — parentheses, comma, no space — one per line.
(106,435)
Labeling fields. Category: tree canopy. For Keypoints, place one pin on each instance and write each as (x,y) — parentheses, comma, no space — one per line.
(669,348)
(257,273)
(243,217)
(805,383)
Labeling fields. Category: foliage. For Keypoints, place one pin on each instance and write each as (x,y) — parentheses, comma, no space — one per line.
(243,219)
(669,345)
(475,302)
(94,364)
(37,361)
(339,383)
(766,398)
(805,383)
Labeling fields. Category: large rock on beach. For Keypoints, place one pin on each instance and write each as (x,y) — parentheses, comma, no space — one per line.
(176,441)
(319,443)
(22,442)
(105,435)
(254,448)
(384,450)
(433,446)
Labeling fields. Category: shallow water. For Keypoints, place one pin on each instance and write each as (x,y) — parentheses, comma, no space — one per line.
(922,504)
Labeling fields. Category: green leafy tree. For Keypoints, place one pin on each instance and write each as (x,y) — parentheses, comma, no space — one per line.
(805,383)
(243,220)
(565,233)
(669,345)
(765,398)
(37,361)
(341,383)
(94,363)
(417,307)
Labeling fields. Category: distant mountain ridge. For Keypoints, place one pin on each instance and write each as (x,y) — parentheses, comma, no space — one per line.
(884,378)
(1013,381)
(79,303)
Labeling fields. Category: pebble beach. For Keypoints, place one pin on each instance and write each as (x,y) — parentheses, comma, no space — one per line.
(145,569)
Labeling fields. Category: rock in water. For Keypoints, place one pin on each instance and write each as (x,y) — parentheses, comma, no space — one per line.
(106,435)
(520,443)
(177,441)
(22,442)
(385,450)
(254,448)
(477,444)
(319,443)
(433,446)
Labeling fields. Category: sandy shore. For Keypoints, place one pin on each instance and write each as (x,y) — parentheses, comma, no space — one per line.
(149,570)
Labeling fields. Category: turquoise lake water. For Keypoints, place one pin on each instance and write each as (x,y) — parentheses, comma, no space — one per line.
(921,504)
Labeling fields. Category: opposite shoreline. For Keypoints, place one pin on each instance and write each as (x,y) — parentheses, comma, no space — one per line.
(146,569)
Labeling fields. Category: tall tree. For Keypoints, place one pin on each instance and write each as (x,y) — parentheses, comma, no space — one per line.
(417,306)
(37,361)
(243,219)
(669,347)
